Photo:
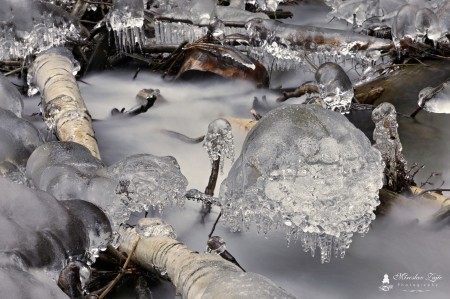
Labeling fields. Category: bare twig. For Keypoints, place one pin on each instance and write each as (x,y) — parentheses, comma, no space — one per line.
(432,190)
(122,272)
(416,111)
(214,225)
(13,72)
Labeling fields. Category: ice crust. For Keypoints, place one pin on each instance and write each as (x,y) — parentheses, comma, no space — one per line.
(37,228)
(18,137)
(68,171)
(309,170)
(219,141)
(285,47)
(189,20)
(10,98)
(126,19)
(31,27)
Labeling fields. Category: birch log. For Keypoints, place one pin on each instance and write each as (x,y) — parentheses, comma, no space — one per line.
(63,107)
(195,275)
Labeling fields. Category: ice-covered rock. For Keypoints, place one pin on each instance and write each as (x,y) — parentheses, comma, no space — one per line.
(309,170)
(17,282)
(335,87)
(18,139)
(22,130)
(95,222)
(37,228)
(219,141)
(10,98)
(126,19)
(62,168)
(68,171)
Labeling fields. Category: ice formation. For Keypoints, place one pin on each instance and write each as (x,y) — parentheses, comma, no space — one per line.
(387,141)
(308,170)
(219,141)
(31,27)
(354,11)
(284,46)
(37,237)
(126,19)
(417,24)
(18,137)
(405,23)
(155,227)
(335,87)
(68,171)
(138,183)
(427,25)
(265,5)
(10,98)
(444,18)
(189,21)
(95,222)
(357,11)
(436,99)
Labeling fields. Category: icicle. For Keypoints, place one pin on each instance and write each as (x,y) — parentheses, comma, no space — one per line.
(126,19)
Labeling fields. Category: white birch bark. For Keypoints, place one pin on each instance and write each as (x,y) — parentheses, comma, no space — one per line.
(63,107)
(195,275)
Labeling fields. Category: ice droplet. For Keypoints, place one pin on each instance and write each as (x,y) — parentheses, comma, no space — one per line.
(219,141)
(335,87)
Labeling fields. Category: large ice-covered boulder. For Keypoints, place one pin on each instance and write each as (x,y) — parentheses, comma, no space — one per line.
(310,170)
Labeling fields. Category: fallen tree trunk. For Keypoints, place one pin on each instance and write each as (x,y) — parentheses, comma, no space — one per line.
(63,107)
(195,275)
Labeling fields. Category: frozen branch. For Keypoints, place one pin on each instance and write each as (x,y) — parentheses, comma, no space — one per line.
(64,110)
(197,275)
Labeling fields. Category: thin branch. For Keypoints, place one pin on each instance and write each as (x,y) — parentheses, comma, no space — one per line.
(432,190)
(122,272)
(13,72)
(214,226)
